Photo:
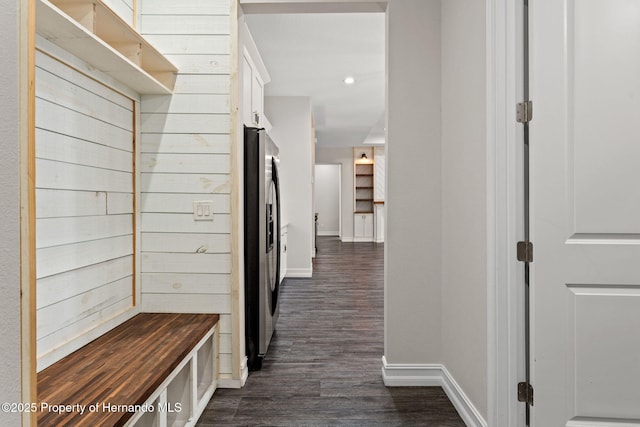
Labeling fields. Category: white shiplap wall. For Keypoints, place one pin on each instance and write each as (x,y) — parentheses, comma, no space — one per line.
(84,207)
(124,9)
(185,156)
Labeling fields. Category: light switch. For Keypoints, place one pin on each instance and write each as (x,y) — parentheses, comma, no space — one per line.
(203,210)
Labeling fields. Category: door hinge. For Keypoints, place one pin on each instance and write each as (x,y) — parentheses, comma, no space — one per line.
(524,111)
(525,251)
(525,393)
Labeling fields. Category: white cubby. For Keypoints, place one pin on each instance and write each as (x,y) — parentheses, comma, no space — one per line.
(189,387)
(149,419)
(179,398)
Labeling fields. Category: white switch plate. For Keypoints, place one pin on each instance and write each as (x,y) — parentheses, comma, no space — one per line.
(203,210)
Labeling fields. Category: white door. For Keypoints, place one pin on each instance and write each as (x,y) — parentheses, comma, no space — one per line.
(585,175)
(327,193)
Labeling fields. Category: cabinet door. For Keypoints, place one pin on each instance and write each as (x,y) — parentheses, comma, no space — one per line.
(358,226)
(368,226)
(257,99)
(247,99)
(363,226)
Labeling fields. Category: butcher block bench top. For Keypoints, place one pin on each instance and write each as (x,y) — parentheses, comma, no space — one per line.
(122,367)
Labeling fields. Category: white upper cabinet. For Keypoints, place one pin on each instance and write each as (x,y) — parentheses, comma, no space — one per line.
(257,99)
(252,94)
(253,77)
(245,90)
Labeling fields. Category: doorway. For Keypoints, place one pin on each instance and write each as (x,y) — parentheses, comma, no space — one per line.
(328,196)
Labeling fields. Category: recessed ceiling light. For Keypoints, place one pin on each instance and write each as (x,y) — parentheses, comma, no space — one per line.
(349,80)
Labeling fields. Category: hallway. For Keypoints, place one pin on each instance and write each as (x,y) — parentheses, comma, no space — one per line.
(323,366)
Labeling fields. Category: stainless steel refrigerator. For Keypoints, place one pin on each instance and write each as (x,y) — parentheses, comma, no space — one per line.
(261,242)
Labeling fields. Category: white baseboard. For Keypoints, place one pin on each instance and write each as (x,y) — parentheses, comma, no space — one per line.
(244,369)
(328,233)
(585,422)
(347,239)
(299,273)
(227,381)
(406,375)
(430,375)
(362,239)
(468,412)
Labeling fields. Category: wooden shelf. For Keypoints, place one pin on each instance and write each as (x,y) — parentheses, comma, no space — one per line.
(363,221)
(94,33)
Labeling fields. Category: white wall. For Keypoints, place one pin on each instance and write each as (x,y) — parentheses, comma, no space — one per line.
(328,191)
(344,157)
(84,206)
(435,269)
(413,272)
(10,213)
(185,156)
(464,195)
(290,117)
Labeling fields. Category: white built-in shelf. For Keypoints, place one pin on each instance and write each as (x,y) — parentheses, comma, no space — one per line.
(363,194)
(94,33)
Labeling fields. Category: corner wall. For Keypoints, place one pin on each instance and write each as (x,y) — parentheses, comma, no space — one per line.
(413,224)
(464,198)
(10,212)
(436,250)
(290,117)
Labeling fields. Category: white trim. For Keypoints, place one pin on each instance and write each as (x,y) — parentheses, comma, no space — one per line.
(432,375)
(225,382)
(411,375)
(328,233)
(504,200)
(312,6)
(577,422)
(362,239)
(466,409)
(299,273)
(244,371)
(347,239)
(229,383)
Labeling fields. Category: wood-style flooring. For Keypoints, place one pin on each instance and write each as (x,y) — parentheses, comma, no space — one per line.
(324,363)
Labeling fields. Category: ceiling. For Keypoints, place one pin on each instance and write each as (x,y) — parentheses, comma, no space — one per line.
(311,54)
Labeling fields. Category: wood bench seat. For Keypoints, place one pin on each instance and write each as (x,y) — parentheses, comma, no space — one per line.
(123,367)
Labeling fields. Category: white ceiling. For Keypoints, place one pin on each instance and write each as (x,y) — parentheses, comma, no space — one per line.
(311,54)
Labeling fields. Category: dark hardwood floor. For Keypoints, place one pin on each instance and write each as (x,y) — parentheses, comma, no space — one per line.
(324,363)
